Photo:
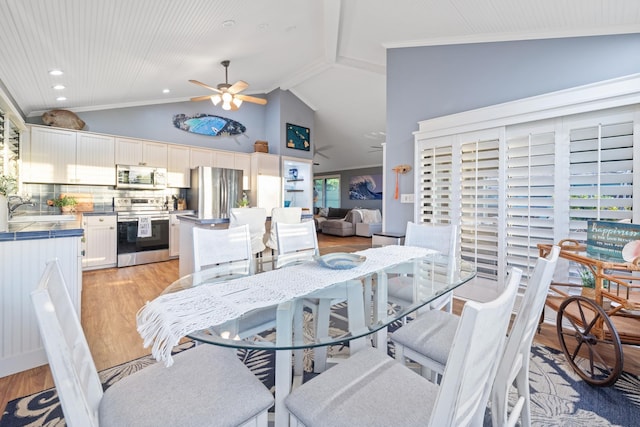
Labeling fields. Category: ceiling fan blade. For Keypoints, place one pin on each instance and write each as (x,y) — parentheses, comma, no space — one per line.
(251,99)
(238,86)
(205,86)
(202,98)
(322,155)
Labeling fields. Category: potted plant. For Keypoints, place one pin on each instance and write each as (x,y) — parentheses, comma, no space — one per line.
(588,283)
(65,203)
(8,185)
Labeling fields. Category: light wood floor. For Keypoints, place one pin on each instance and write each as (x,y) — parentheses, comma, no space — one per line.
(111,298)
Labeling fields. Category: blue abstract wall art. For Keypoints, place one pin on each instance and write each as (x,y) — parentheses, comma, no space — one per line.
(365,187)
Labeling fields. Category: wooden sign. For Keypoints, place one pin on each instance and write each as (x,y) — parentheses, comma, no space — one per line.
(613,241)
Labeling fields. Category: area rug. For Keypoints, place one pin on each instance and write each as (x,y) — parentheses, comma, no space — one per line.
(558,396)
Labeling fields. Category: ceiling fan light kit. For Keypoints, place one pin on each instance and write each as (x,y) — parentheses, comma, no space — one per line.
(228,94)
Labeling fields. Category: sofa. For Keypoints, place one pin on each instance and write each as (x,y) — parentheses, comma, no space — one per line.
(349,222)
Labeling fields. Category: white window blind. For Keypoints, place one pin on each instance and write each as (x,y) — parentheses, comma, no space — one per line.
(435,184)
(601,175)
(479,189)
(530,188)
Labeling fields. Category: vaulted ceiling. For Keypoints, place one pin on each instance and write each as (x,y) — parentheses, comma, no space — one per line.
(331,53)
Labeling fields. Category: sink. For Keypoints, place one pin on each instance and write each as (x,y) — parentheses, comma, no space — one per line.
(42,218)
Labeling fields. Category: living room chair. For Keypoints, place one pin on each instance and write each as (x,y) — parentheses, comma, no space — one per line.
(428,341)
(205,383)
(440,237)
(372,389)
(256,219)
(226,250)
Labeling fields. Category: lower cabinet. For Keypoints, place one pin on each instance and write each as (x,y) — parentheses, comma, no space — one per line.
(99,247)
(174,235)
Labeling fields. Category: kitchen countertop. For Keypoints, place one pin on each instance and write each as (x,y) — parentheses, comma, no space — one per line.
(42,230)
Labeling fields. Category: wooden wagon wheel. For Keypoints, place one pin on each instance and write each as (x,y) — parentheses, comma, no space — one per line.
(591,344)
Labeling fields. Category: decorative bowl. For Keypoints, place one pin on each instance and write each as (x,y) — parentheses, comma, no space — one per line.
(340,260)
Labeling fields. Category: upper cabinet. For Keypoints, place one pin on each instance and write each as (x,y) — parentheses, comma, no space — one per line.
(224,159)
(179,166)
(62,156)
(139,152)
(202,157)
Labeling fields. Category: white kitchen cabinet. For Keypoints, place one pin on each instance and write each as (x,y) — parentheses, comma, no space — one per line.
(100,241)
(202,157)
(266,184)
(140,152)
(179,166)
(22,263)
(224,159)
(62,156)
(94,159)
(52,156)
(174,235)
(242,161)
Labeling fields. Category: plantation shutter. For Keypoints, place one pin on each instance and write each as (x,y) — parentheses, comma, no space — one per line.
(530,188)
(435,184)
(479,215)
(601,175)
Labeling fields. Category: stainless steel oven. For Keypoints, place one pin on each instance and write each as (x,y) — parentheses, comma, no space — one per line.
(143,230)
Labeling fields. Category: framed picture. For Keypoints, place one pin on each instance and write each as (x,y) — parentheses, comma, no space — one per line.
(298,137)
(365,187)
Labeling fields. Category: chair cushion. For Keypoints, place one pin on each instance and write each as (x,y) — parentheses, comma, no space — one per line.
(207,385)
(430,334)
(338,397)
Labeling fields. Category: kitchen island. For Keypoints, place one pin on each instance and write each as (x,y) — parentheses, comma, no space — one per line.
(24,250)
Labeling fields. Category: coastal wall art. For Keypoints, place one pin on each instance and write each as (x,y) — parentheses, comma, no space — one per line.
(365,187)
(206,124)
(298,137)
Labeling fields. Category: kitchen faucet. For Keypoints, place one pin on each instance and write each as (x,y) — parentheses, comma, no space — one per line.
(15,204)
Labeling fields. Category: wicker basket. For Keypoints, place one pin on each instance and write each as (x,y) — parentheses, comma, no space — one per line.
(261,147)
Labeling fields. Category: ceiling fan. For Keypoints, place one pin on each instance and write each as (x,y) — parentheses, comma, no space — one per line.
(229,95)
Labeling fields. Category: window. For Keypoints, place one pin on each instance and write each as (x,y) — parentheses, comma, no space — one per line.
(326,191)
(510,188)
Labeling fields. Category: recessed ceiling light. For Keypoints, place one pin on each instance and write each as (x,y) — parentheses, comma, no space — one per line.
(61,98)
(228,23)
(166,90)
(56,72)
(58,87)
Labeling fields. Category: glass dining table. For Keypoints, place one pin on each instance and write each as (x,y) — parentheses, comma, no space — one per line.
(310,305)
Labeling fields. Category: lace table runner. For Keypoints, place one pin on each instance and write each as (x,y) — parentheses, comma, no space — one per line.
(166,319)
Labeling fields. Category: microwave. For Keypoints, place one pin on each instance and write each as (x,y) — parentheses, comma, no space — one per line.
(141,177)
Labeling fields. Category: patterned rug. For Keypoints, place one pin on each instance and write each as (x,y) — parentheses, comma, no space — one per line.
(558,396)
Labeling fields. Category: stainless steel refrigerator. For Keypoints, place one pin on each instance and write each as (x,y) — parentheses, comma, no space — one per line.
(214,191)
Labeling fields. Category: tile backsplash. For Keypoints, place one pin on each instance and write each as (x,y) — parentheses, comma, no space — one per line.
(102,196)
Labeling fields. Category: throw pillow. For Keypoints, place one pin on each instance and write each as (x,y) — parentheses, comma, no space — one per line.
(323,212)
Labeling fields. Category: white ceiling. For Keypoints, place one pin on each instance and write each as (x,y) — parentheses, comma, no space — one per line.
(329,53)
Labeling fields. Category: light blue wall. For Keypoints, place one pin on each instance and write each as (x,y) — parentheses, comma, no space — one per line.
(154,122)
(428,82)
(345,176)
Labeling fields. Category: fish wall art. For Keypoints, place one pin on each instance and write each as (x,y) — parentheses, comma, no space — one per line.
(206,124)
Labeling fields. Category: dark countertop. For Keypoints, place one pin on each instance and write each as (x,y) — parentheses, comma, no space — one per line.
(42,230)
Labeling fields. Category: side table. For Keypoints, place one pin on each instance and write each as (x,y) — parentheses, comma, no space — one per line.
(387,238)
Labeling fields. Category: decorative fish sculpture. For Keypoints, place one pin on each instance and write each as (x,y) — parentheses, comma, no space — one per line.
(63,119)
(206,124)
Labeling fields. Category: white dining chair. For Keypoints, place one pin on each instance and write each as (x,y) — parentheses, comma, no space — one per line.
(296,242)
(205,383)
(372,389)
(291,215)
(226,250)
(256,219)
(428,340)
(440,237)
